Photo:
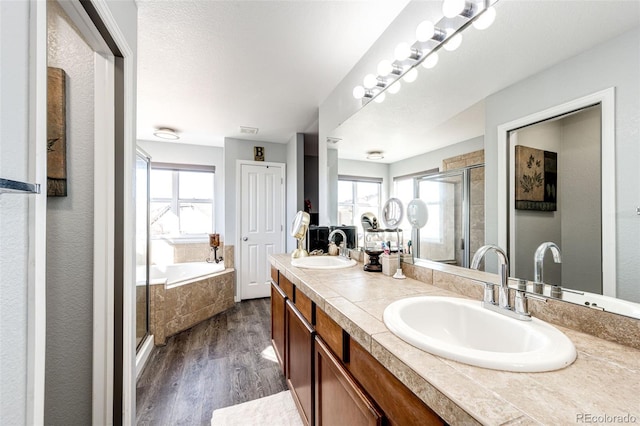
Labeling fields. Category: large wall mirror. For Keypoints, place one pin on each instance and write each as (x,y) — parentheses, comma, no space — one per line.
(537,57)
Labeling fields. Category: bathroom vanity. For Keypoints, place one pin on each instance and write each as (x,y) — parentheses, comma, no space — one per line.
(344,366)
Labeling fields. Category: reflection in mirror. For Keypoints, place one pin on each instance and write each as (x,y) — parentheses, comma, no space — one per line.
(556,189)
(580,48)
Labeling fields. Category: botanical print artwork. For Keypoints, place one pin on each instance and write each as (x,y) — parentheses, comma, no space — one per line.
(535,179)
(56,133)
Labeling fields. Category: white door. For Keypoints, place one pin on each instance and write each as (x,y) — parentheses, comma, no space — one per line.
(22,214)
(261,225)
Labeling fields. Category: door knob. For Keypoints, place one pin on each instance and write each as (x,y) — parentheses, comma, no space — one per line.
(244,238)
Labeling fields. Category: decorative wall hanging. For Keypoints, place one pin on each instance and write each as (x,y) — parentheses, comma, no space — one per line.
(56,133)
(536,179)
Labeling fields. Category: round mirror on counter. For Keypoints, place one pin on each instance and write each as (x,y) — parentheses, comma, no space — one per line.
(417,213)
(392,213)
(299,228)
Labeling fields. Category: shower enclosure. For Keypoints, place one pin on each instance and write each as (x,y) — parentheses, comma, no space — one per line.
(142,246)
(455,228)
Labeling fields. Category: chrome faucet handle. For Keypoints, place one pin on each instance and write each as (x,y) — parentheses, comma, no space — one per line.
(488,293)
(520,303)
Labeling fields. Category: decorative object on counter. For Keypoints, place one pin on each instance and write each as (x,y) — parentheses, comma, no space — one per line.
(372,248)
(214,243)
(536,178)
(392,214)
(56,133)
(333,249)
(418,215)
(299,229)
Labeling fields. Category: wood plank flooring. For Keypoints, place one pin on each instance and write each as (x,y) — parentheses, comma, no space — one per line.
(218,363)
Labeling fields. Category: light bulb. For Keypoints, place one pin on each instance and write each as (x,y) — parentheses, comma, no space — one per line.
(411,75)
(453,8)
(431,61)
(358,92)
(385,67)
(380,98)
(394,88)
(453,43)
(370,81)
(485,20)
(425,31)
(403,51)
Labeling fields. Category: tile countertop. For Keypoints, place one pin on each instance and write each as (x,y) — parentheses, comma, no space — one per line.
(603,382)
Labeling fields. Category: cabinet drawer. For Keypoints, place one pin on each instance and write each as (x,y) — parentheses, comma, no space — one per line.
(400,405)
(330,332)
(304,305)
(274,275)
(339,399)
(286,286)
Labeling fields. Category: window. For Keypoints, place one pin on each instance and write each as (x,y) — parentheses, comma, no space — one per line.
(181,200)
(358,195)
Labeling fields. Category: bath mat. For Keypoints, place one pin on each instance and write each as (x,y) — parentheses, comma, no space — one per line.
(273,410)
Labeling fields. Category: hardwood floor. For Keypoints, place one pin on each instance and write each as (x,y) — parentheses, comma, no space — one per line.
(218,363)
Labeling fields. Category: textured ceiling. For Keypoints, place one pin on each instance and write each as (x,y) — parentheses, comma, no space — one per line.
(207,67)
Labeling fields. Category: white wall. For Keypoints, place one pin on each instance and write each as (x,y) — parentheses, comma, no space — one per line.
(167,152)
(433,159)
(70,237)
(14,243)
(615,63)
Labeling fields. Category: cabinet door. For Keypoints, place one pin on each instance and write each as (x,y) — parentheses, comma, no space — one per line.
(299,360)
(339,399)
(278,300)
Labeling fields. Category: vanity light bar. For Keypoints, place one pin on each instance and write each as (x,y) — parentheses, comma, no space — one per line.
(447,33)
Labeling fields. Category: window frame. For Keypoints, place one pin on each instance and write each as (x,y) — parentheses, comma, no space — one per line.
(175,201)
(355,206)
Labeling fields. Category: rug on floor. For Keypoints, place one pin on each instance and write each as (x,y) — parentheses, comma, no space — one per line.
(274,410)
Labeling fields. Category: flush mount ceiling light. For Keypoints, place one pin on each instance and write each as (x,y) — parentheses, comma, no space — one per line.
(333,141)
(166,133)
(430,37)
(375,155)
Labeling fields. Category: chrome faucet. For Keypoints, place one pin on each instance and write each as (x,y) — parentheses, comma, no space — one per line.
(538,270)
(342,249)
(502,306)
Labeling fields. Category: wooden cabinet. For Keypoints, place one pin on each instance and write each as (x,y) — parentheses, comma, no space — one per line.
(278,304)
(339,400)
(299,361)
(334,380)
(400,405)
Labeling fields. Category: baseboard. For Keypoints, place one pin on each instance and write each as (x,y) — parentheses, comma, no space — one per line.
(143,354)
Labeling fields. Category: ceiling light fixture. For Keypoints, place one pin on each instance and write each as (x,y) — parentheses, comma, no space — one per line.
(375,155)
(430,37)
(166,133)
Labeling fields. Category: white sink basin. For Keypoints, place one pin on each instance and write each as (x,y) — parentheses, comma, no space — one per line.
(464,331)
(323,262)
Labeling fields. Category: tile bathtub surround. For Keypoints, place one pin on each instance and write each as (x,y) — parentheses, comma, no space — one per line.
(178,308)
(464,394)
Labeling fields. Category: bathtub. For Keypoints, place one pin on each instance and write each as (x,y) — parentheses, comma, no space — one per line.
(178,274)
(184,294)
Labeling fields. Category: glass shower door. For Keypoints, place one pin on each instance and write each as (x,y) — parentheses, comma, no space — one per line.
(142,247)
(443,238)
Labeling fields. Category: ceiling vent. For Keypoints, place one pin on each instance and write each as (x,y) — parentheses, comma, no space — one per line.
(248,130)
